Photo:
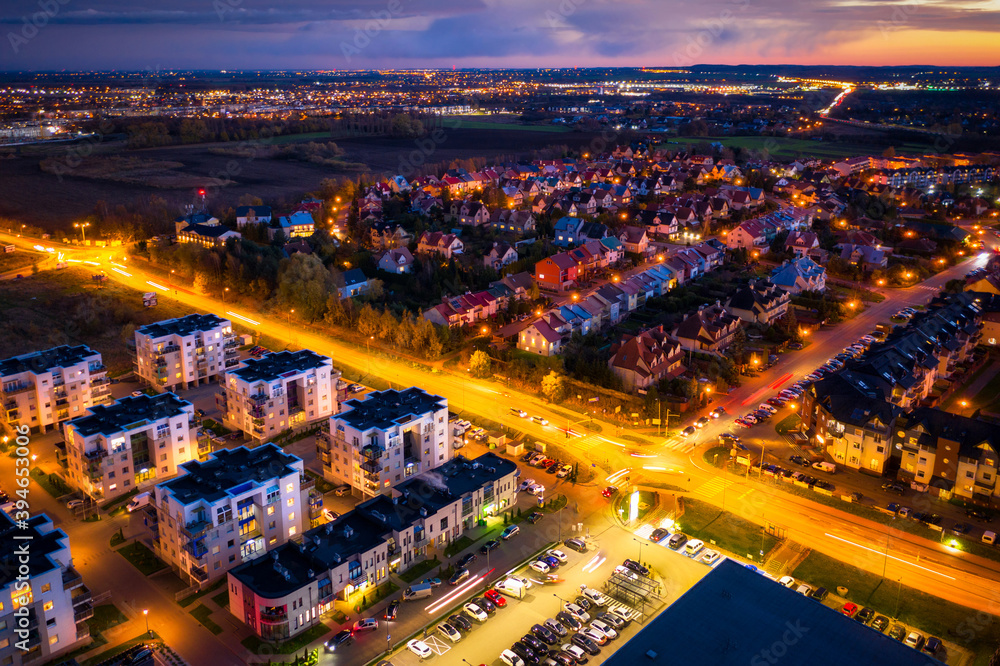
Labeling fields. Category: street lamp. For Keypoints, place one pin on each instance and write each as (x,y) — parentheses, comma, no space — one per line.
(82,226)
(641,544)
(288,318)
(223,293)
(145,614)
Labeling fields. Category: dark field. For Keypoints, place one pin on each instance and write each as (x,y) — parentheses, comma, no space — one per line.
(29,195)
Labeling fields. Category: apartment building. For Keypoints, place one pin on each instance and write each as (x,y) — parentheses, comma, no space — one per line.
(234,507)
(849,414)
(185,352)
(130,443)
(43,389)
(948,455)
(289,592)
(52,609)
(380,441)
(279,391)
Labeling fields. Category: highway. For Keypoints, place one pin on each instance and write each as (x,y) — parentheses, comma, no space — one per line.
(954,576)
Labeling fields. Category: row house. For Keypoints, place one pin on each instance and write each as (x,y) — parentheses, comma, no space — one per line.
(440,243)
(293,590)
(709,329)
(645,359)
(464,310)
(949,455)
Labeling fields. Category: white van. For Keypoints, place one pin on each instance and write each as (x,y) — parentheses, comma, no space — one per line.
(829,468)
(990,538)
(693,547)
(140,500)
(511,588)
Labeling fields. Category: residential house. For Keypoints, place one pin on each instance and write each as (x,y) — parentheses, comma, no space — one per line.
(501,254)
(800,243)
(396,261)
(297,225)
(645,359)
(759,302)
(567,231)
(252,215)
(439,243)
(864,256)
(635,240)
(557,272)
(352,283)
(540,338)
(750,234)
(799,275)
(709,329)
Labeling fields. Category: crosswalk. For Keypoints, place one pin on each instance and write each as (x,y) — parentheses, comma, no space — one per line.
(680,444)
(712,488)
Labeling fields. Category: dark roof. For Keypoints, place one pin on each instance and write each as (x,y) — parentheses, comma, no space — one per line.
(207,230)
(272,366)
(967,432)
(40,539)
(182,326)
(259,211)
(42,361)
(750,615)
(353,277)
(128,413)
(855,397)
(229,472)
(383,409)
(762,292)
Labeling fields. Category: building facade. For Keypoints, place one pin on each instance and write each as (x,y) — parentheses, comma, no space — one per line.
(52,604)
(233,508)
(279,391)
(46,388)
(185,352)
(380,441)
(129,444)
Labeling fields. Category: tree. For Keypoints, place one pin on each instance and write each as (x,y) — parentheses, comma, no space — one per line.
(480,364)
(368,321)
(200,283)
(376,289)
(889,152)
(128,332)
(553,386)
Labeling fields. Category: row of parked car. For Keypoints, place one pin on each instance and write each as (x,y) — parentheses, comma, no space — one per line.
(550,465)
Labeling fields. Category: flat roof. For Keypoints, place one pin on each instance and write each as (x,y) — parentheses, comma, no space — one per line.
(384,409)
(230,472)
(41,540)
(735,616)
(276,365)
(128,412)
(182,326)
(45,360)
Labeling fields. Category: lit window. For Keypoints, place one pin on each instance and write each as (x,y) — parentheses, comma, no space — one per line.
(291,531)
(47,606)
(291,501)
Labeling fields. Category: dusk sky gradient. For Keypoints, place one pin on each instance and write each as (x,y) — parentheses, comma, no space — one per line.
(303,34)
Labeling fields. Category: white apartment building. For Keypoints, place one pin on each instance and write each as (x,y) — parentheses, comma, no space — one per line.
(46,617)
(230,509)
(129,443)
(185,352)
(385,438)
(279,391)
(45,388)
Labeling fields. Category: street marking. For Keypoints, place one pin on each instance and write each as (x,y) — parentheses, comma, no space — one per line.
(712,488)
(436,645)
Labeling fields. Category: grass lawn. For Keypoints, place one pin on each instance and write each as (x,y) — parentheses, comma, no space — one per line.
(322,485)
(121,647)
(381,592)
(458,545)
(253,643)
(221,599)
(419,569)
(105,617)
(925,612)
(203,614)
(727,530)
(721,451)
(119,501)
(988,398)
(790,147)
(787,424)
(141,558)
(53,484)
(576,416)
(187,601)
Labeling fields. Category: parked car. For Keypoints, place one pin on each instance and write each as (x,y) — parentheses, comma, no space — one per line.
(880,623)
(568,621)
(898,632)
(509,532)
(676,541)
(341,638)
(419,648)
(585,644)
(466,559)
(658,534)
(556,627)
(460,621)
(475,612)
(914,640)
(496,598)
(933,645)
(449,632)
(710,557)
(865,615)
(433,582)
(510,658)
(577,612)
(488,546)
(849,609)
(458,576)
(636,567)
(578,545)
(544,634)
(539,566)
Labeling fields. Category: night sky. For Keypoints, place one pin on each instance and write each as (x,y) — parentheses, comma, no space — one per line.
(304,34)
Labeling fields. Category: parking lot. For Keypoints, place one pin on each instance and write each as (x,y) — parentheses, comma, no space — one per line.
(485,641)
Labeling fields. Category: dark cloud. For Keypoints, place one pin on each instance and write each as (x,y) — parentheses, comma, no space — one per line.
(256,34)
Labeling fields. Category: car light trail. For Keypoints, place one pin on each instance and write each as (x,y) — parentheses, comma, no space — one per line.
(612,478)
(118,270)
(454,594)
(592,565)
(891,557)
(753,397)
(611,441)
(781,380)
(655,469)
(92,263)
(153,284)
(643,455)
(241,317)
(74,261)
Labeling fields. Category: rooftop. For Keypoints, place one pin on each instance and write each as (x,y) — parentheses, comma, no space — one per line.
(42,361)
(230,472)
(182,326)
(751,615)
(384,409)
(44,539)
(277,365)
(129,413)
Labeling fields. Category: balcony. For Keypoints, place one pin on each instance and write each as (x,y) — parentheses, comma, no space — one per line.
(195,529)
(195,549)
(84,612)
(306,482)
(100,381)
(232,362)
(257,399)
(275,615)
(232,352)
(20,387)
(199,574)
(168,349)
(371,467)
(71,578)
(82,597)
